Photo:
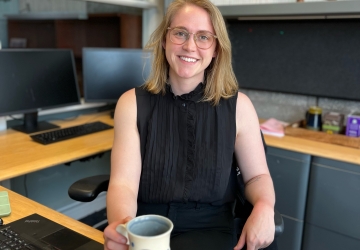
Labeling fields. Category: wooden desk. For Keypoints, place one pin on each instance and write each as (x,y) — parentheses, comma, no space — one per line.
(21,155)
(330,151)
(22,206)
(314,148)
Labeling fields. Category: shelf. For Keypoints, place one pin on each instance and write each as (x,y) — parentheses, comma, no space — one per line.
(296,130)
(48,16)
(130,3)
(338,8)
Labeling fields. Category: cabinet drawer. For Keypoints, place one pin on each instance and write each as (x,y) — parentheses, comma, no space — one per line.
(334,197)
(292,236)
(316,238)
(290,173)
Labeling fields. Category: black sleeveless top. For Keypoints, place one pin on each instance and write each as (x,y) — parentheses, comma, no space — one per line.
(187,147)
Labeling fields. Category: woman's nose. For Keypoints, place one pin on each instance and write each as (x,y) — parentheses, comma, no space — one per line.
(190,43)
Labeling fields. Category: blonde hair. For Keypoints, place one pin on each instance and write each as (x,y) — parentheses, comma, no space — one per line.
(220,81)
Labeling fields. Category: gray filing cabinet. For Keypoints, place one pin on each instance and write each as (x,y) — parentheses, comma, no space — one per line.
(333,206)
(290,172)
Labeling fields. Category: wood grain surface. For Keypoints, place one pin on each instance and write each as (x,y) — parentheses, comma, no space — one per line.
(336,139)
(21,155)
(307,145)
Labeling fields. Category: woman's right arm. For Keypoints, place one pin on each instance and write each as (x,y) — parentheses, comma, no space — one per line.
(125,170)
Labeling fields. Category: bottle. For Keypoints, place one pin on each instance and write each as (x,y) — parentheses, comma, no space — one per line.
(313,118)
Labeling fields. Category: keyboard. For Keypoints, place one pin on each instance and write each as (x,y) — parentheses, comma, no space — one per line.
(10,240)
(70,132)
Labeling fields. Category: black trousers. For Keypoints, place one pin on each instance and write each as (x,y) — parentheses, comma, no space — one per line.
(197,226)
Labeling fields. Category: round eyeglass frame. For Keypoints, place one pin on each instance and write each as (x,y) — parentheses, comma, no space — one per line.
(194,37)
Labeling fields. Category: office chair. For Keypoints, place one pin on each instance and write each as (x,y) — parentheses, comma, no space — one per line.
(87,189)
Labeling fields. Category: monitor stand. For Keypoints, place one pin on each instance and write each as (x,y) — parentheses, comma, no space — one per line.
(31,124)
(109,106)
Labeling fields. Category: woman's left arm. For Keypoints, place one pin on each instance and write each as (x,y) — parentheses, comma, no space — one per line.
(259,229)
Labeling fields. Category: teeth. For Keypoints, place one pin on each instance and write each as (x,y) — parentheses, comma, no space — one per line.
(188,59)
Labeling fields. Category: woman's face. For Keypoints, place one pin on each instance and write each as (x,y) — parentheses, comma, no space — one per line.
(187,61)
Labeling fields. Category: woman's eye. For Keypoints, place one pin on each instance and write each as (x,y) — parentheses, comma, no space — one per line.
(203,37)
(180,33)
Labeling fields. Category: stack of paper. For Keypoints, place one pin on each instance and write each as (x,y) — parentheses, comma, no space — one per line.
(273,127)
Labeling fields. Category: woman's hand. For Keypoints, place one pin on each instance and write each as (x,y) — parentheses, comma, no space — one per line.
(113,239)
(259,229)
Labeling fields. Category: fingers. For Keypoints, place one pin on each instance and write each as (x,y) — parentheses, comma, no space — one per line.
(241,242)
(111,234)
(114,240)
(255,245)
(112,245)
(127,219)
(249,241)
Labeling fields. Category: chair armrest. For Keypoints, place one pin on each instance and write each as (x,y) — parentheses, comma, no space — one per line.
(239,223)
(242,211)
(89,188)
(279,223)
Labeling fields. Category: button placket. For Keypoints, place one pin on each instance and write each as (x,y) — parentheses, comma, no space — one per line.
(190,163)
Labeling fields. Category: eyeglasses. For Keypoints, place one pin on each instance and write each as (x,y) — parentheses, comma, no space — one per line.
(202,39)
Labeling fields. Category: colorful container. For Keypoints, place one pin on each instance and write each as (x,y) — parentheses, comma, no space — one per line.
(353,125)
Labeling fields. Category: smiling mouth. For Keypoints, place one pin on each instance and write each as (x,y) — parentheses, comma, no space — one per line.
(187,59)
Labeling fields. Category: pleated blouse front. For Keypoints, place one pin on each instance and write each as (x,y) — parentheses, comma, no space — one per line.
(187,146)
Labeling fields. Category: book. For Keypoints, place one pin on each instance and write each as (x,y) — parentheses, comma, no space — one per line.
(273,127)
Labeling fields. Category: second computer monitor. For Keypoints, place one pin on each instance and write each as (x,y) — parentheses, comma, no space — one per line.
(32,80)
(109,72)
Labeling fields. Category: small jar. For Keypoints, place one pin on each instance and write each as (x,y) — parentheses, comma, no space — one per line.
(313,118)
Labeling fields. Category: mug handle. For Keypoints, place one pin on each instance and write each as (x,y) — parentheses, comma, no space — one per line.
(121,229)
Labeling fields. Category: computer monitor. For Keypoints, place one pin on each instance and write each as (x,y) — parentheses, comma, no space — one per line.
(109,72)
(35,79)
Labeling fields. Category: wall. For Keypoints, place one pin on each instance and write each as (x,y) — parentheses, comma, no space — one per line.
(152,18)
(9,7)
(292,108)
(289,107)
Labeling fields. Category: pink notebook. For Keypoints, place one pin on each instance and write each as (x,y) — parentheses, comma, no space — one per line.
(273,127)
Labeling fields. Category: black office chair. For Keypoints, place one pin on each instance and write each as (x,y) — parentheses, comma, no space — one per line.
(87,189)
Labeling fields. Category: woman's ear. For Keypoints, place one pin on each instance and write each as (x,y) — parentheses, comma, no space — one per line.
(215,53)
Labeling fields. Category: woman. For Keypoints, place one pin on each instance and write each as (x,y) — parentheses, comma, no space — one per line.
(176,136)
